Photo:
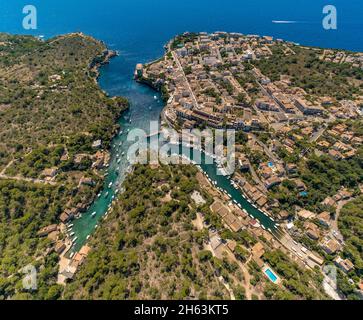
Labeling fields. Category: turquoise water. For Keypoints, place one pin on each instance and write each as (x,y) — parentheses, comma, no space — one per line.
(138,29)
(271,275)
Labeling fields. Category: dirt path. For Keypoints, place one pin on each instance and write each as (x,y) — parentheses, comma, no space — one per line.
(18,178)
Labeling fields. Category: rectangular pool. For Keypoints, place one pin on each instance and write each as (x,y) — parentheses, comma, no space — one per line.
(271,275)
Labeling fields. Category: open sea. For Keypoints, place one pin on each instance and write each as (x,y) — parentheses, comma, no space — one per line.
(140,28)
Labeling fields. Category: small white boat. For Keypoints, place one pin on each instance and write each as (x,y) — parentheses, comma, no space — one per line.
(70,226)
(110,184)
(71,255)
(74,240)
(72,234)
(263,227)
(93,214)
(269,229)
(155,97)
(88,237)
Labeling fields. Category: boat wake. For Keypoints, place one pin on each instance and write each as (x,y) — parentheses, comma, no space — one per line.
(284,21)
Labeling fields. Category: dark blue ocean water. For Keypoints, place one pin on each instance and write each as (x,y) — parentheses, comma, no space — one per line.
(140,27)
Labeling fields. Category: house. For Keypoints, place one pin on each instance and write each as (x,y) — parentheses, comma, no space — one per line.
(315,258)
(97,144)
(258,250)
(336,155)
(68,215)
(215,242)
(231,244)
(243,162)
(49,172)
(307,108)
(77,260)
(59,247)
(87,181)
(291,168)
(312,230)
(271,182)
(283,215)
(139,70)
(331,246)
(329,201)
(324,218)
(346,265)
(46,230)
(64,217)
(85,250)
(305,214)
(300,185)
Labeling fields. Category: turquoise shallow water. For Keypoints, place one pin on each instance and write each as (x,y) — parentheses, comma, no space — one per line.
(138,29)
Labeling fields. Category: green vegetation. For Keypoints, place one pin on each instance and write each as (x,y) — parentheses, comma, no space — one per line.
(48,95)
(50,105)
(314,75)
(148,247)
(351,227)
(323,176)
(298,283)
(25,208)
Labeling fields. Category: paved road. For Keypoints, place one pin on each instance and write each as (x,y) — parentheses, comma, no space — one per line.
(176,59)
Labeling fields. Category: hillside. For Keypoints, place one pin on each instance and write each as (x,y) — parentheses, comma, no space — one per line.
(51,110)
(148,248)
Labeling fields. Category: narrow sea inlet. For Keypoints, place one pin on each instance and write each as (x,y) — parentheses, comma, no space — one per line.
(145,105)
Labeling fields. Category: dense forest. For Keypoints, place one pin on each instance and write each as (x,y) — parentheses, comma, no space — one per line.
(351,227)
(24,209)
(50,106)
(49,97)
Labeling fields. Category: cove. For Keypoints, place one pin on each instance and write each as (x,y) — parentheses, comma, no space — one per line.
(146,105)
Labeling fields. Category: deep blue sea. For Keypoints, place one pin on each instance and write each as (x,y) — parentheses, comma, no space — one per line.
(139,28)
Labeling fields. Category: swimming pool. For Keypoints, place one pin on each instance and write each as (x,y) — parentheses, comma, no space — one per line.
(271,275)
(270,164)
